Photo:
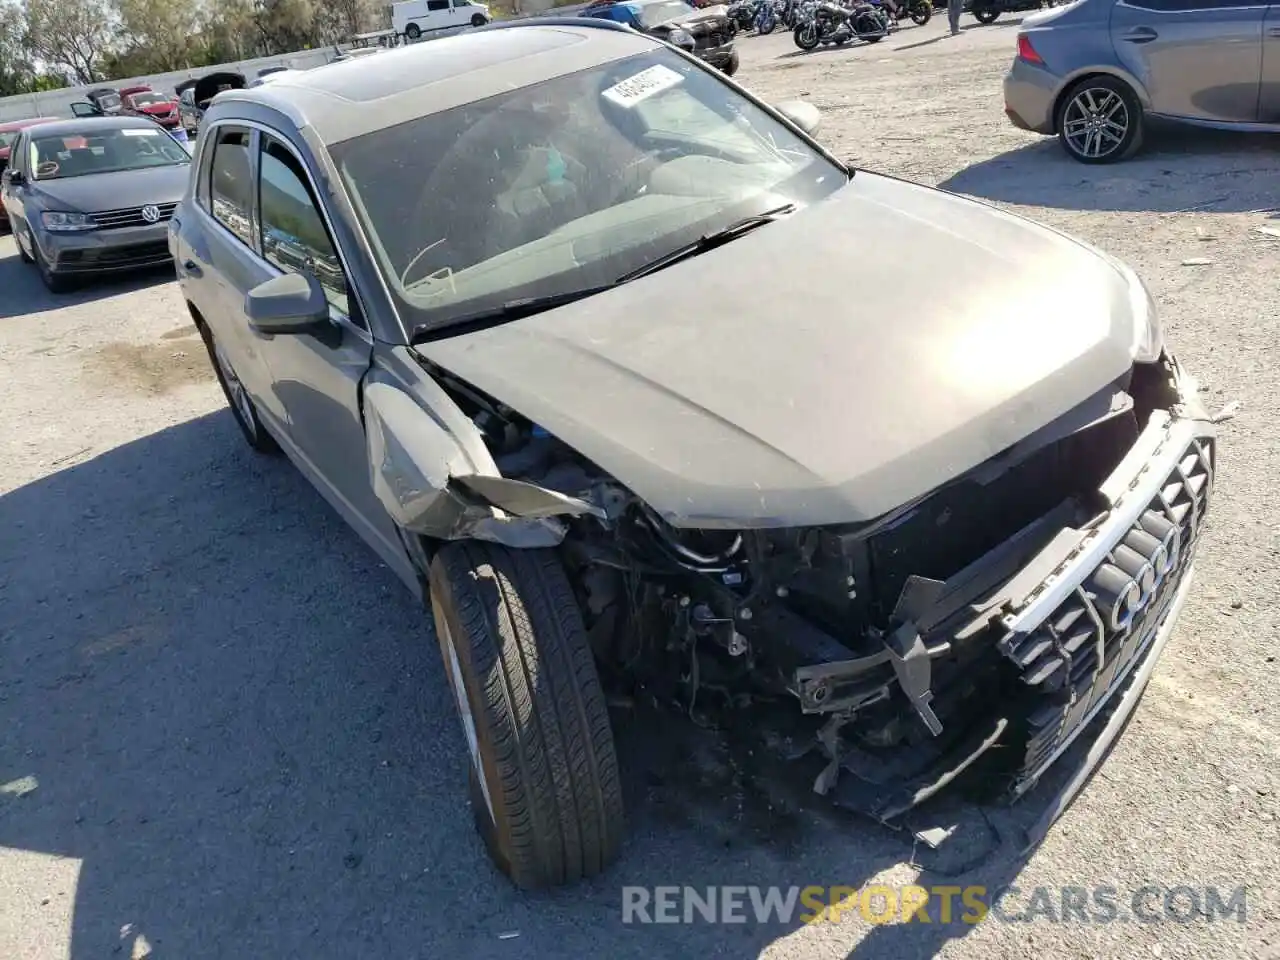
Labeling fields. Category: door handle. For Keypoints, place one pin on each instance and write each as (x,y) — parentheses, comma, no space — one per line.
(191,268)
(1141,35)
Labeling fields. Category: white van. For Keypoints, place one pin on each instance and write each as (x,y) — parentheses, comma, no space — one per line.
(413,18)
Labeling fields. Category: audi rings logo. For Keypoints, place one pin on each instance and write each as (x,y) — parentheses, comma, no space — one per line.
(1139,565)
(151,213)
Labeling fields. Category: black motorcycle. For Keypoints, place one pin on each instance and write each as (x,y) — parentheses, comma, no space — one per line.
(832,23)
(986,11)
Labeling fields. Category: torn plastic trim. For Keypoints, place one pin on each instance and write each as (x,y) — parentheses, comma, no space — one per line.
(417,469)
(1128,490)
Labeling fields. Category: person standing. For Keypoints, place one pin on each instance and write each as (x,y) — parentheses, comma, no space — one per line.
(954,9)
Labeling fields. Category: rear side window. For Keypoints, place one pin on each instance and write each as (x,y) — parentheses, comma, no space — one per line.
(231,183)
(437,5)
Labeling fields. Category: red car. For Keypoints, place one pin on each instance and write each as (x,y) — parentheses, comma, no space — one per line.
(148,103)
(8,133)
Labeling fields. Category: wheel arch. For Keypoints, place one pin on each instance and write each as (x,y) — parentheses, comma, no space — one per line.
(1091,73)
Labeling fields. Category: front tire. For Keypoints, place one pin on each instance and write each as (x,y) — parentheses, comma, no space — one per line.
(54,282)
(478,20)
(546,794)
(921,13)
(19,234)
(806,36)
(731,67)
(1100,121)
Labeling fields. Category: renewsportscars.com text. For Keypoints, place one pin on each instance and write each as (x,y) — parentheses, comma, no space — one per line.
(881,904)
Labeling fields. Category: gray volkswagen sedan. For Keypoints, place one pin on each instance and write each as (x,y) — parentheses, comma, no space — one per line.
(488,295)
(91,196)
(1094,72)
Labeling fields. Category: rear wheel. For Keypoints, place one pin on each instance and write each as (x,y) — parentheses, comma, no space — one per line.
(1100,121)
(546,795)
(238,399)
(985,11)
(731,67)
(921,13)
(413,31)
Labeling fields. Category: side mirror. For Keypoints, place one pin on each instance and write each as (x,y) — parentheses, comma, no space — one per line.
(804,115)
(85,110)
(12,177)
(292,303)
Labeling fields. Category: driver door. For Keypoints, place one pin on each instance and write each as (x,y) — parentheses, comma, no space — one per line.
(316,376)
(85,109)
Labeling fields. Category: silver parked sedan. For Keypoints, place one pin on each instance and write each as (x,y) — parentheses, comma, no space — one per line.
(1095,71)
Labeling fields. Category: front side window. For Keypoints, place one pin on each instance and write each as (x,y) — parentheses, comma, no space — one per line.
(231,183)
(108,151)
(568,184)
(294,236)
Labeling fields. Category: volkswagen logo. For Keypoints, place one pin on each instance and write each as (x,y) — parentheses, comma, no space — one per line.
(151,213)
(1138,567)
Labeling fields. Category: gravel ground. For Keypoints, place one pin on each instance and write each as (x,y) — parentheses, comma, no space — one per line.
(224,730)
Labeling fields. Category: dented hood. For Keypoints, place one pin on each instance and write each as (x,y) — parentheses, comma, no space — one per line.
(822,369)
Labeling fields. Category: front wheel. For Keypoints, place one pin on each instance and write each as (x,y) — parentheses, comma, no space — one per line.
(985,11)
(766,27)
(546,795)
(731,67)
(478,20)
(921,13)
(1100,121)
(806,36)
(22,238)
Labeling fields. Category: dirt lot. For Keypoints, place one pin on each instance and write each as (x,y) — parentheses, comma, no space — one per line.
(224,729)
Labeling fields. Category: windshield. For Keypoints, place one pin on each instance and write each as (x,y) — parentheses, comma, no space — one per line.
(7,138)
(661,11)
(148,99)
(60,158)
(567,184)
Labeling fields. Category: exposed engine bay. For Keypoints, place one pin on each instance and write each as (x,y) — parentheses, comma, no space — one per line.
(890,651)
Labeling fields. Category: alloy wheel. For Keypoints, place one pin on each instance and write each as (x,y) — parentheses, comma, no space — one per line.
(1095,122)
(239,395)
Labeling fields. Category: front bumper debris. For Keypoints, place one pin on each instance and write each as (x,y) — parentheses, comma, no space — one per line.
(1082,622)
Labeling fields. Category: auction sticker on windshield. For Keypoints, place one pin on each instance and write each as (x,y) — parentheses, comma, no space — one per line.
(136,132)
(643,85)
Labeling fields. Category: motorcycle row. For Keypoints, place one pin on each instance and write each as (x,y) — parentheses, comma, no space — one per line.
(816,22)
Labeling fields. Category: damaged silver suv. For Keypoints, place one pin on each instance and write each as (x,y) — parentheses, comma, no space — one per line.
(510,300)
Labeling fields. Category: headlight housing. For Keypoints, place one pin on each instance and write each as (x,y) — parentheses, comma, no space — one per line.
(58,222)
(1148,335)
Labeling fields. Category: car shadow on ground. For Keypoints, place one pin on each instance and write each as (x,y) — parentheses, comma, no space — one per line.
(1179,170)
(25,294)
(227,719)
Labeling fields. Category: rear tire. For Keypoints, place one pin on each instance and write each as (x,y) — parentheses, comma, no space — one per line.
(921,13)
(731,67)
(546,795)
(413,31)
(985,11)
(1115,101)
(241,404)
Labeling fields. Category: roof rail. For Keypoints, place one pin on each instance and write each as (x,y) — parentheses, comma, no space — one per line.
(540,21)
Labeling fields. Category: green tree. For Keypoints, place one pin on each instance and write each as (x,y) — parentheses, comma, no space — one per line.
(73,35)
(160,35)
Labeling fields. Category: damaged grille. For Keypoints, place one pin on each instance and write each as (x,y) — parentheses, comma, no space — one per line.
(1081,653)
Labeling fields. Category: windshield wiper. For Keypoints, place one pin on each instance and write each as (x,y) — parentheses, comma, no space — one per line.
(709,241)
(510,310)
